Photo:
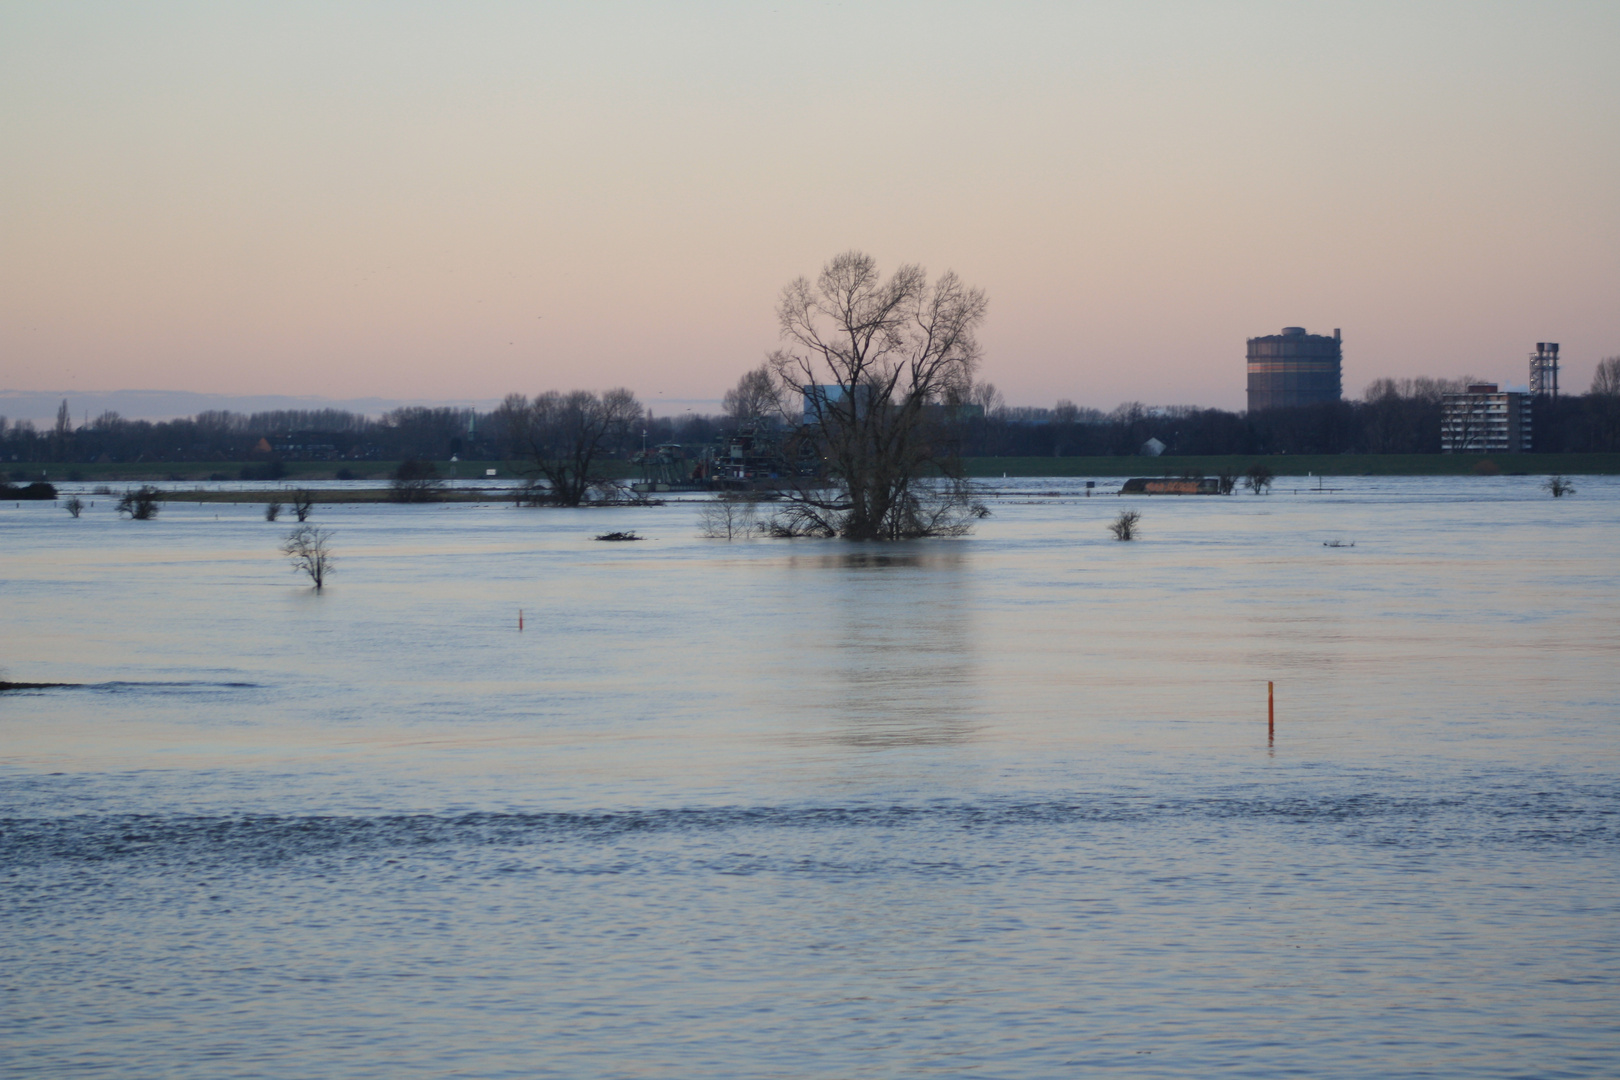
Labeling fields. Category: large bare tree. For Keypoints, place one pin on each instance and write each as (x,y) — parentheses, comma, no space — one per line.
(757,396)
(1605,403)
(1606,378)
(564,435)
(1065,414)
(878,364)
(63,431)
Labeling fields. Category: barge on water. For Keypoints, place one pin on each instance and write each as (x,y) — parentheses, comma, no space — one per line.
(1165,485)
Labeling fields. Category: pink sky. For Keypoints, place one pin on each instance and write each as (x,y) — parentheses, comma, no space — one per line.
(456,201)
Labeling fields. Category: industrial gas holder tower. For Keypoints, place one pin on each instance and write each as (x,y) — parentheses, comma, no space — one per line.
(1294,368)
(1544,369)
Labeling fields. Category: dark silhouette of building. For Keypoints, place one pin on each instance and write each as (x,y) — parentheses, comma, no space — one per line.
(1294,368)
(1544,369)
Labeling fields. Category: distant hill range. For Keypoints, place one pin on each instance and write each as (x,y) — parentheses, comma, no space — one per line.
(40,405)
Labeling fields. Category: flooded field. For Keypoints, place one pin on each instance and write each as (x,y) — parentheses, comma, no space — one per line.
(1000,806)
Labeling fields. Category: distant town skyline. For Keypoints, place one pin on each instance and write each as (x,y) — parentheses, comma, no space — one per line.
(361,201)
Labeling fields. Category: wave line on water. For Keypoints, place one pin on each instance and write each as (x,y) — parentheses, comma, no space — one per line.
(1486,818)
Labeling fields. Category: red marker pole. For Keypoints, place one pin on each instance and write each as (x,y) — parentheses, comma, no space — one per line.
(520,620)
(1271,713)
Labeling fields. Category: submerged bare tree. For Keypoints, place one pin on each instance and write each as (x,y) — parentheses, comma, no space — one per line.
(414,481)
(880,366)
(308,546)
(1125,526)
(729,517)
(141,503)
(563,436)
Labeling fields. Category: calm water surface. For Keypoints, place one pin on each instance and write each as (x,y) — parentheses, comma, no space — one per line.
(1001,806)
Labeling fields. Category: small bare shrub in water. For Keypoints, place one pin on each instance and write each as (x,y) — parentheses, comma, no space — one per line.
(303,502)
(141,503)
(1124,527)
(729,518)
(1559,486)
(415,481)
(272,510)
(1257,479)
(74,505)
(801,519)
(309,548)
(39,489)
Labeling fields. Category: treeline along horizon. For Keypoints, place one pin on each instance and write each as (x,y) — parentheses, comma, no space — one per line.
(1393,417)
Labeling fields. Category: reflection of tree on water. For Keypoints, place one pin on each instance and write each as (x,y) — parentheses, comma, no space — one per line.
(884,648)
(948,557)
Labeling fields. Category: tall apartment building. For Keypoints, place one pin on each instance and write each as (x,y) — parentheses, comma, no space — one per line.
(1485,420)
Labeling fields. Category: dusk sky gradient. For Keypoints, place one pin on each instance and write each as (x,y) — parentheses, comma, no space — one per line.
(437,201)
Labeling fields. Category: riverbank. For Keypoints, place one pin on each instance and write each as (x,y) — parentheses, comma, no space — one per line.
(336,495)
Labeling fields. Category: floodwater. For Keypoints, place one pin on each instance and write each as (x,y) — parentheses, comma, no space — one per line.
(1002,806)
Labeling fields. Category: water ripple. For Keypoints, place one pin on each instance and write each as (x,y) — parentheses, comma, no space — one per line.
(1579,816)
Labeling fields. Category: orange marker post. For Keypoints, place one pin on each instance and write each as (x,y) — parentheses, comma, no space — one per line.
(520,620)
(1271,712)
